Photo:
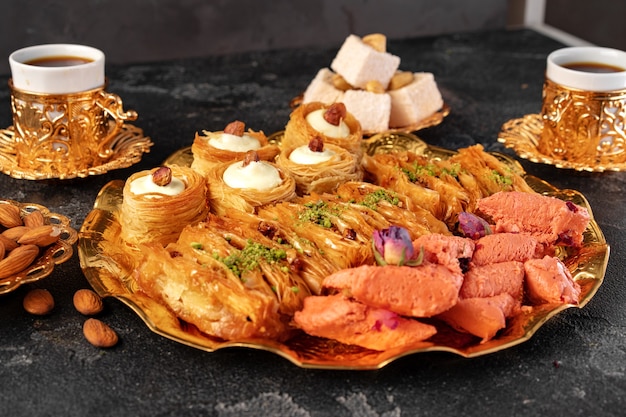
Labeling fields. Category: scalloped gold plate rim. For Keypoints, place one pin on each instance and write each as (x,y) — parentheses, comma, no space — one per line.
(522,135)
(52,255)
(129,146)
(108,270)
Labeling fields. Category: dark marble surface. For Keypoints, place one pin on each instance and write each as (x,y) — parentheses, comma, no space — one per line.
(575,365)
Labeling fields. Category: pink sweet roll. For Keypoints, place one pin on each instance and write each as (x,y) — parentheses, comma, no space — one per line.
(549,219)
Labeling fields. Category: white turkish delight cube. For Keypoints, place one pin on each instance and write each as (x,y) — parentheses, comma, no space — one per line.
(415,101)
(370,109)
(359,63)
(322,88)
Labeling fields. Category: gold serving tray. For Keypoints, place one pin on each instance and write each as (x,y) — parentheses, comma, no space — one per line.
(51,256)
(108,268)
(522,135)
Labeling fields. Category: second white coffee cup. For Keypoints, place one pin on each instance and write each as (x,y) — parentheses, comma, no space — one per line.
(559,68)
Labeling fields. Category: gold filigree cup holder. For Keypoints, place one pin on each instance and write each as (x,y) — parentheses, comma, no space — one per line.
(69,135)
(108,267)
(50,256)
(576,129)
(523,135)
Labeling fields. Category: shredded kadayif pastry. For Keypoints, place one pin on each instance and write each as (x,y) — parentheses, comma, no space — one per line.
(244,271)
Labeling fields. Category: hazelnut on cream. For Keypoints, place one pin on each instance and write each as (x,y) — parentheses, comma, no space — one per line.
(311,154)
(252,173)
(318,122)
(234,139)
(160,181)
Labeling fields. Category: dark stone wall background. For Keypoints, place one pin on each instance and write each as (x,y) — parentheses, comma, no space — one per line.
(152,30)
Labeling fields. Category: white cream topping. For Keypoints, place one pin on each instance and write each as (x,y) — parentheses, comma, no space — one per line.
(303,155)
(317,122)
(256,175)
(145,185)
(234,143)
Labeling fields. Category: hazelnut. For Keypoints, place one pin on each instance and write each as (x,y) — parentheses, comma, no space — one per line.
(335,113)
(236,128)
(39,302)
(162,176)
(316,144)
(251,156)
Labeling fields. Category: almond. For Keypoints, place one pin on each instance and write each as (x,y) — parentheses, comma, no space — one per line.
(99,333)
(10,216)
(9,244)
(376,41)
(15,233)
(3,250)
(340,83)
(34,219)
(41,236)
(18,260)
(400,79)
(87,302)
(374,86)
(39,302)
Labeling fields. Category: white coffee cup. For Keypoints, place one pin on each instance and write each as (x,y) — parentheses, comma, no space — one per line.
(558,68)
(584,94)
(66,79)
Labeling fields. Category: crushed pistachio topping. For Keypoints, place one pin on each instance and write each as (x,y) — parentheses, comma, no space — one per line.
(248,258)
(418,171)
(372,199)
(501,179)
(319,213)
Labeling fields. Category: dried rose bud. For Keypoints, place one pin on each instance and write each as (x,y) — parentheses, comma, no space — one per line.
(236,128)
(472,226)
(571,206)
(162,176)
(385,318)
(251,156)
(335,113)
(316,144)
(393,246)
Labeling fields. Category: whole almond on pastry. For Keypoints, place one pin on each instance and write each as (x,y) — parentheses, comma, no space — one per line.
(87,302)
(18,260)
(10,216)
(41,236)
(34,219)
(39,302)
(99,333)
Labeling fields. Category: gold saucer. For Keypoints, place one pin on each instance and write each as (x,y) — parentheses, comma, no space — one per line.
(522,135)
(128,147)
